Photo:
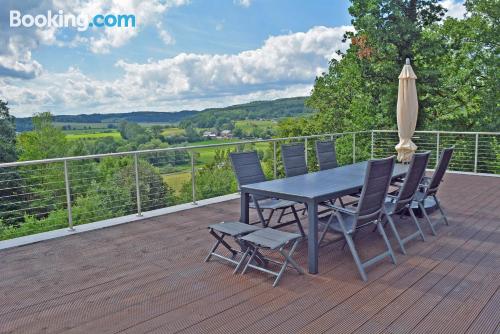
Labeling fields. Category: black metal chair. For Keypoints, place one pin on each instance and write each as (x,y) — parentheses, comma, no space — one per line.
(368,212)
(326,154)
(402,201)
(430,186)
(246,166)
(294,159)
(327,159)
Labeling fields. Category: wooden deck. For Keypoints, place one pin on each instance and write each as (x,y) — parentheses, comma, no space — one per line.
(149,277)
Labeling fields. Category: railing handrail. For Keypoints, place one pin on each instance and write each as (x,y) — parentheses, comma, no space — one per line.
(194,147)
(167,149)
(449,132)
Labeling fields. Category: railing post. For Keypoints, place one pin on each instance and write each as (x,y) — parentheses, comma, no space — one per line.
(437,148)
(68,197)
(193,180)
(137,185)
(373,144)
(476,149)
(354,148)
(275,169)
(305,148)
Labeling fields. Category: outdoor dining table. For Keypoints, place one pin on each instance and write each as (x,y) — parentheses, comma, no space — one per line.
(312,189)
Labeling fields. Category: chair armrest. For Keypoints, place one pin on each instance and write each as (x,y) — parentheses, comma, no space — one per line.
(340,209)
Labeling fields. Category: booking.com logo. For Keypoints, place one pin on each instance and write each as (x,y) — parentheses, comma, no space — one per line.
(62,20)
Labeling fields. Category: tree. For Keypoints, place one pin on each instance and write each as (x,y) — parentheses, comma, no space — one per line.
(7,134)
(44,142)
(45,182)
(469,88)
(359,91)
(11,194)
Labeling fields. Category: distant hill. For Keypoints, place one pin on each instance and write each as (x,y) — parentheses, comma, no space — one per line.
(205,118)
(279,108)
(24,124)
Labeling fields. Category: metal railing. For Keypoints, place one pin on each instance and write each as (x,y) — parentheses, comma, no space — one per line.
(54,193)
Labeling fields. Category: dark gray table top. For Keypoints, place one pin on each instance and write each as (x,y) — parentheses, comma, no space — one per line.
(318,186)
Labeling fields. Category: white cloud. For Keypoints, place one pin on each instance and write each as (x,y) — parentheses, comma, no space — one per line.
(455,9)
(146,13)
(292,58)
(16,44)
(283,66)
(243,3)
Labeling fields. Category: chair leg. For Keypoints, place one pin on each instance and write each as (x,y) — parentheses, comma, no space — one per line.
(254,251)
(304,210)
(323,234)
(355,255)
(220,240)
(289,258)
(280,217)
(415,220)
(422,208)
(268,221)
(387,243)
(395,232)
(297,219)
(217,243)
(441,210)
(242,260)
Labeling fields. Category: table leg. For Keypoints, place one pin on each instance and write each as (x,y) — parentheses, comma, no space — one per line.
(312,237)
(244,207)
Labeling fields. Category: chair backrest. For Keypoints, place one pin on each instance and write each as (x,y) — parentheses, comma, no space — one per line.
(246,166)
(326,155)
(377,179)
(412,180)
(437,177)
(294,159)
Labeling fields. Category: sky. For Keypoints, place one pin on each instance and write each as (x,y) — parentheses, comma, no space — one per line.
(181,54)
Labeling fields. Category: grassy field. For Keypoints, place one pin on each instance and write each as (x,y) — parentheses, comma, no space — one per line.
(172,132)
(176,180)
(247,125)
(74,135)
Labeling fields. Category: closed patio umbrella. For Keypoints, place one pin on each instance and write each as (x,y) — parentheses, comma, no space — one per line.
(407,112)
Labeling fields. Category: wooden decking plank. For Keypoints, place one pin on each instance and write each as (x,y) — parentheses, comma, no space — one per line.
(148,276)
(395,308)
(377,294)
(489,318)
(419,310)
(358,298)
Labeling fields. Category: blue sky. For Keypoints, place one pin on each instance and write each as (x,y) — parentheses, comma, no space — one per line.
(181,55)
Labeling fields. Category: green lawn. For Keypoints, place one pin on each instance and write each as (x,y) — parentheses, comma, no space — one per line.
(176,180)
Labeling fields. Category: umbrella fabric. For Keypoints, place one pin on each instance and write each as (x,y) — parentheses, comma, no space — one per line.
(407,112)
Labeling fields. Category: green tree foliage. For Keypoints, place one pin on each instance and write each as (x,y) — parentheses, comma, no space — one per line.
(468,91)
(214,179)
(11,196)
(359,91)
(7,134)
(456,61)
(44,183)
